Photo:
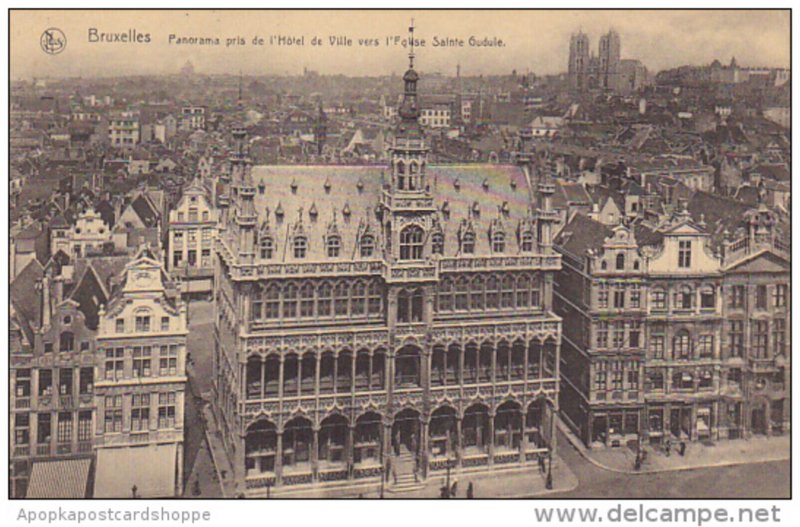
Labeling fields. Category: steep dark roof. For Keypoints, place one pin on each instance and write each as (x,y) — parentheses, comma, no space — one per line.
(145,209)
(25,294)
(582,234)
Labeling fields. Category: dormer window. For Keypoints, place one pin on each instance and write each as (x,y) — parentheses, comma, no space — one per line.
(498,242)
(527,242)
(300,247)
(334,246)
(620,264)
(367,246)
(684,254)
(468,243)
(411,243)
(437,243)
(267,248)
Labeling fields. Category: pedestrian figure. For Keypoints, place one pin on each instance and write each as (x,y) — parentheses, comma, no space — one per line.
(683,448)
(541,464)
(667,447)
(470,491)
(196,487)
(637,465)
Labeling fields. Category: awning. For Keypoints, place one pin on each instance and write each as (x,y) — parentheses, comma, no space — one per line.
(151,468)
(65,478)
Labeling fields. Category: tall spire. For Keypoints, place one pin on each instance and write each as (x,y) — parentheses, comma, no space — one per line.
(409,110)
(411,45)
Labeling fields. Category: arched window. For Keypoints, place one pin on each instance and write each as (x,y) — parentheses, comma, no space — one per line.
(367,246)
(340,300)
(620,261)
(708,297)
(358,302)
(476,294)
(413,183)
(492,292)
(300,246)
(267,248)
(334,246)
(307,300)
(437,243)
(290,300)
(272,302)
(401,175)
(462,294)
(498,242)
(527,242)
(411,243)
(523,291)
(468,243)
(682,345)
(445,295)
(324,299)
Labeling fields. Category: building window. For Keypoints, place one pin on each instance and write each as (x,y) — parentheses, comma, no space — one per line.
(290,293)
(267,248)
(141,361)
(761,297)
(617,375)
(779,337)
(462,294)
(656,381)
(445,295)
(307,300)
(468,243)
(636,296)
(409,306)
(168,360)
(619,334)
(65,381)
(140,412)
(84,426)
(325,299)
(340,299)
(602,296)
(375,298)
(142,323)
(44,429)
(619,297)
(23,383)
(708,298)
(634,333)
(737,296)
(659,300)
(684,298)
(705,346)
(602,334)
(759,339)
(334,246)
(498,242)
(781,293)
(367,246)
(437,243)
(736,338)
(683,380)
(684,254)
(45,382)
(64,427)
(112,415)
(166,410)
(527,242)
(620,261)
(272,303)
(600,376)
(300,247)
(120,325)
(22,432)
(115,364)
(411,243)
(164,323)
(682,345)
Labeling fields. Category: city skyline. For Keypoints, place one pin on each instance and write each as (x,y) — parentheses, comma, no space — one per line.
(659,39)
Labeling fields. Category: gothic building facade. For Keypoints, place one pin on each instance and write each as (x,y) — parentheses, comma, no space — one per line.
(383,321)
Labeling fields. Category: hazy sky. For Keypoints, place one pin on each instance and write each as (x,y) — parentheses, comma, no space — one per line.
(537,41)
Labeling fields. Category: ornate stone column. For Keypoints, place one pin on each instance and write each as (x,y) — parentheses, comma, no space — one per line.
(279,459)
(315,453)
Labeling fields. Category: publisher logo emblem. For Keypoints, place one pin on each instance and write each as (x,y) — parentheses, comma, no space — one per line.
(53,41)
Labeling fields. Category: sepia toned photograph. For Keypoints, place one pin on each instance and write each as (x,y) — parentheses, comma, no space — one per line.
(399,254)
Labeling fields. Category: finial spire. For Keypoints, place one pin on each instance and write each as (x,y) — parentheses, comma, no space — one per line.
(411,45)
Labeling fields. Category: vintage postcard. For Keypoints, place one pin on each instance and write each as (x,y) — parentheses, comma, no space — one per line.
(399,254)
